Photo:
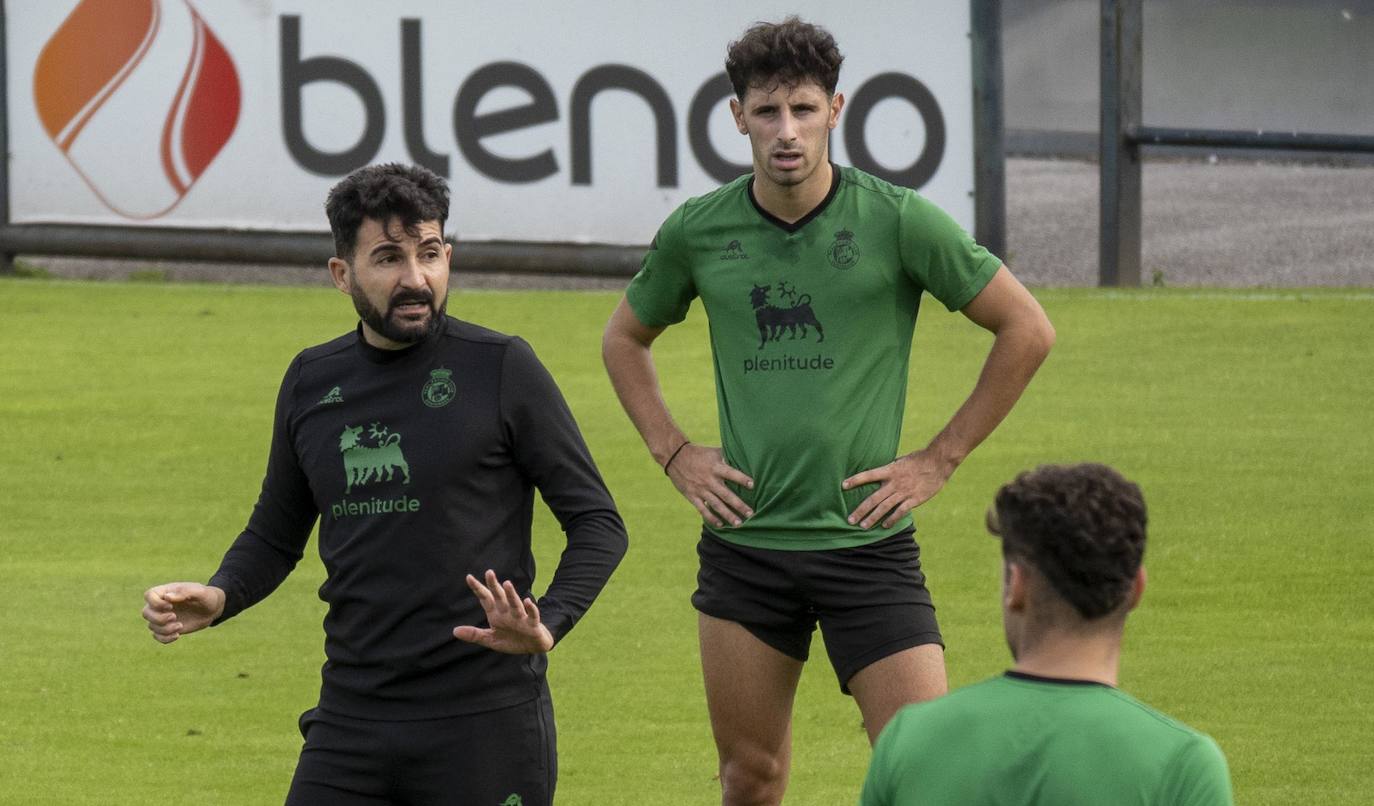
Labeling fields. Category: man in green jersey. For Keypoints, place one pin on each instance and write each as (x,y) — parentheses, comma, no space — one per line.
(811,275)
(1054,729)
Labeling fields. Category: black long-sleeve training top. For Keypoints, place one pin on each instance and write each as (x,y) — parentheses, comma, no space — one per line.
(421,465)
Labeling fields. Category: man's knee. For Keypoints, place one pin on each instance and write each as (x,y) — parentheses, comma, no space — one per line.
(752,777)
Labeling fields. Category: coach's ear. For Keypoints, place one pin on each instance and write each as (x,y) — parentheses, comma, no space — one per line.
(338,272)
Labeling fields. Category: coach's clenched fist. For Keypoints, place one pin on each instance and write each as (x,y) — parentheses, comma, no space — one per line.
(181,607)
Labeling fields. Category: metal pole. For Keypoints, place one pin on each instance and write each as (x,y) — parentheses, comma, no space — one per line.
(303,248)
(6,255)
(1252,139)
(989,155)
(1119,166)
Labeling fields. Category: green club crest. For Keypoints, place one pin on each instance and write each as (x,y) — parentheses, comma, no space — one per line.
(440,389)
(844,253)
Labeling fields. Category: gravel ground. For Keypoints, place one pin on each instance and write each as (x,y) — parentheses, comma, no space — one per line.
(1206,223)
(1233,224)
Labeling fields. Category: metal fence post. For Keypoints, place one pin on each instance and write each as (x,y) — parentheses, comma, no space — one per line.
(6,256)
(989,156)
(1119,166)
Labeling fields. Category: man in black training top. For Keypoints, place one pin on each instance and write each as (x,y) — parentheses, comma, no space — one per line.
(417,440)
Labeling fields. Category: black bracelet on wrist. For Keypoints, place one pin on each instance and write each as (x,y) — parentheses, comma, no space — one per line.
(684,444)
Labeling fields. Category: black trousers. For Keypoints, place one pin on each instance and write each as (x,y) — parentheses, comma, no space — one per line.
(506,757)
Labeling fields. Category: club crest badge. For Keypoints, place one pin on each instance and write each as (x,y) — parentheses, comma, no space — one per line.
(440,389)
(844,253)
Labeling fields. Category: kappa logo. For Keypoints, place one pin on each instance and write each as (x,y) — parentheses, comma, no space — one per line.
(844,253)
(334,396)
(734,251)
(107,63)
(772,320)
(365,464)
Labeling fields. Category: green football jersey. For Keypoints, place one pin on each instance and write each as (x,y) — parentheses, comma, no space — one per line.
(811,330)
(1019,740)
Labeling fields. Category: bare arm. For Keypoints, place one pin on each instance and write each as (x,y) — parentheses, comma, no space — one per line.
(699,472)
(1023,337)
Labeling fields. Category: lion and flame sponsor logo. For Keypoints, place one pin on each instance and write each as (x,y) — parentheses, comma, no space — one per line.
(371,459)
(795,318)
(104,67)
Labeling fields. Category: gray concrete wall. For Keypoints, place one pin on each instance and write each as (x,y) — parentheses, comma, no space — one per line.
(1299,65)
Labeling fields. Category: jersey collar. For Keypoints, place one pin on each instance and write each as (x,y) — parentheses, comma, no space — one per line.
(376,355)
(806,219)
(1060,681)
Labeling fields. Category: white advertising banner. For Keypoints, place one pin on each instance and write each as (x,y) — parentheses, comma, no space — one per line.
(569,122)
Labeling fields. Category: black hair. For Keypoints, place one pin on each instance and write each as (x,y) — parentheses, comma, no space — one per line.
(1081,526)
(790,53)
(407,193)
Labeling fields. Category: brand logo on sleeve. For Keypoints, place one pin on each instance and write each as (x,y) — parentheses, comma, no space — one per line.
(333,396)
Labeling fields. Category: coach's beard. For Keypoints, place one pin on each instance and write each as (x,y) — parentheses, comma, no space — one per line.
(388,326)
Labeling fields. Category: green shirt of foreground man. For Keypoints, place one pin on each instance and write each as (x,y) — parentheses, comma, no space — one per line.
(1055,730)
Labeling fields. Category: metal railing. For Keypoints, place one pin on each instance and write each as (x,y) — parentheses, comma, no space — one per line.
(1123,135)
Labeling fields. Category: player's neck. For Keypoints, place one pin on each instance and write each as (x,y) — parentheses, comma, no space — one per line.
(1072,657)
(791,203)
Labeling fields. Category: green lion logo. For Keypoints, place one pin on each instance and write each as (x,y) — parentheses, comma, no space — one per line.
(364,464)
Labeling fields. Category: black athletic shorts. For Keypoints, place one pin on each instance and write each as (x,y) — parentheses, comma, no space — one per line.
(506,756)
(871,601)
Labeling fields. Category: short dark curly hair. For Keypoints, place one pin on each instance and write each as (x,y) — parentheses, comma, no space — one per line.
(1081,526)
(790,52)
(408,193)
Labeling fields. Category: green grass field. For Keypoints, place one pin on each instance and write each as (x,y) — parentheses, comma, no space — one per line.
(134,421)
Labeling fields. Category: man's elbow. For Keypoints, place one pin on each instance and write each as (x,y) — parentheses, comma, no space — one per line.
(614,340)
(624,338)
(1044,334)
(1031,332)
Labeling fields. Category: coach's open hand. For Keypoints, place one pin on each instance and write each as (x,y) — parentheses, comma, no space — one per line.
(181,607)
(514,623)
(904,484)
(699,473)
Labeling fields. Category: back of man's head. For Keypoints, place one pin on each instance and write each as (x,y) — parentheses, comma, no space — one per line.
(408,194)
(1081,527)
(789,53)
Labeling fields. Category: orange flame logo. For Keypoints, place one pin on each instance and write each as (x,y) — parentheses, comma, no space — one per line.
(106,67)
